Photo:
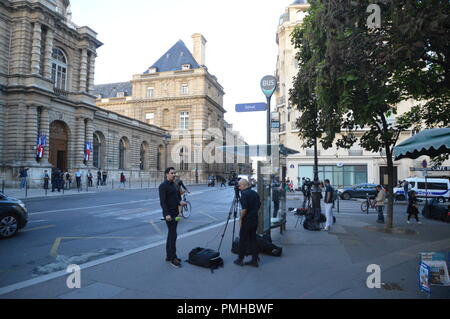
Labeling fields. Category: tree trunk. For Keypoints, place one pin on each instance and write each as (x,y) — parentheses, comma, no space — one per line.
(390,190)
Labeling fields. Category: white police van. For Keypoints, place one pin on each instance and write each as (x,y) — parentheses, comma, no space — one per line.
(435,188)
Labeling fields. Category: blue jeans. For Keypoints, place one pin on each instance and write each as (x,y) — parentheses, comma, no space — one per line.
(23,183)
(380,213)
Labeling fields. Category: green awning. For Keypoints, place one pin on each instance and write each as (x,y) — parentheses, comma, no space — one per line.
(431,142)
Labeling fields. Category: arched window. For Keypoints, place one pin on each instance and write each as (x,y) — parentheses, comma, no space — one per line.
(184,166)
(158,158)
(96,158)
(122,150)
(59,69)
(142,158)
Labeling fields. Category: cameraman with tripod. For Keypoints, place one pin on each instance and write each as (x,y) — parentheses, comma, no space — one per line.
(250,203)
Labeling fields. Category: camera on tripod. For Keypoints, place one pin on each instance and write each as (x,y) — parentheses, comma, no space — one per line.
(308,183)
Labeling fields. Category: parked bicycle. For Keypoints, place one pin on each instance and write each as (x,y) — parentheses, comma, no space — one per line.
(185,210)
(367,204)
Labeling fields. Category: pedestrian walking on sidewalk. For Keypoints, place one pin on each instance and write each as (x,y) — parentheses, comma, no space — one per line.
(276,191)
(250,203)
(169,198)
(99,177)
(329,191)
(89,177)
(23,174)
(68,180)
(379,203)
(105,176)
(412,209)
(78,179)
(46,179)
(122,181)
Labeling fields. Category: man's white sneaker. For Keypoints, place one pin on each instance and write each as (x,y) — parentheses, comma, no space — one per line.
(420,223)
(408,222)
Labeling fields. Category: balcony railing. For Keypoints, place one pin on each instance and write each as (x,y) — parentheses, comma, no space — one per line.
(281,101)
(60,92)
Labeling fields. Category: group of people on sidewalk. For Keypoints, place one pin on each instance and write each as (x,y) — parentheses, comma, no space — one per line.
(170,195)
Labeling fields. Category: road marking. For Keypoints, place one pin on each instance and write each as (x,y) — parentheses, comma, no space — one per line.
(205,214)
(156,228)
(38,228)
(62,273)
(90,207)
(140,215)
(55,246)
(106,205)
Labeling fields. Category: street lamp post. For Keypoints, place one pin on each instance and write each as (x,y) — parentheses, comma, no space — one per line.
(166,141)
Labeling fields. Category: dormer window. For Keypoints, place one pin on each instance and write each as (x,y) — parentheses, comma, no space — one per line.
(99,96)
(186,67)
(152,70)
(121,94)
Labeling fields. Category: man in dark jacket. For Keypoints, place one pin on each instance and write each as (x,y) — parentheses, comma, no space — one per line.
(276,197)
(170,201)
(250,203)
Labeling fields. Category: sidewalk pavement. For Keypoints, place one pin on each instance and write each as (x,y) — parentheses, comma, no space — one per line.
(313,265)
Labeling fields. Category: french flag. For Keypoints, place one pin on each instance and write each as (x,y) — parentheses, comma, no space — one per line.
(88,151)
(41,141)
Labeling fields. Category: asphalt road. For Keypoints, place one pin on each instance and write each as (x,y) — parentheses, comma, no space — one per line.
(80,228)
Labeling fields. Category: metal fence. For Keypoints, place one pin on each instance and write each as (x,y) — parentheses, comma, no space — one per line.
(13,188)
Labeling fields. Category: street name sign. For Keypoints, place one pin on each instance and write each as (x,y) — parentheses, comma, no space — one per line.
(251,107)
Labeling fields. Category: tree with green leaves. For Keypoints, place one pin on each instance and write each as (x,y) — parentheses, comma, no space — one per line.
(352,77)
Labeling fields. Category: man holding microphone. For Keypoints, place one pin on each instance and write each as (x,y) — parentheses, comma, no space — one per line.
(170,202)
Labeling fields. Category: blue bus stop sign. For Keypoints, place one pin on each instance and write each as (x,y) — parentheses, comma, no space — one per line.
(251,107)
(269,85)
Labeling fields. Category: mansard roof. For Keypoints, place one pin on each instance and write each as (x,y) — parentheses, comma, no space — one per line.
(110,90)
(173,59)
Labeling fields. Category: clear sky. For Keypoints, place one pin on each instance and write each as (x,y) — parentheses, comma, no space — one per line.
(241,46)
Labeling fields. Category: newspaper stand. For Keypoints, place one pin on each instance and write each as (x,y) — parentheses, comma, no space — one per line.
(433,271)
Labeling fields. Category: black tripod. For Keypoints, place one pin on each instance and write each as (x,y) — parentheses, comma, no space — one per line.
(235,207)
(307,204)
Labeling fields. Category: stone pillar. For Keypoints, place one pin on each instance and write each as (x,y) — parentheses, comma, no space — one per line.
(83,70)
(45,130)
(90,139)
(31,133)
(91,73)
(79,142)
(48,54)
(36,48)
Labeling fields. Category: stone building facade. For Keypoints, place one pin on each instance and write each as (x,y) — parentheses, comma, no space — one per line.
(47,68)
(178,94)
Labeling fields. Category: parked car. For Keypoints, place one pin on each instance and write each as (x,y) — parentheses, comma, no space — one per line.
(358,191)
(435,188)
(13,216)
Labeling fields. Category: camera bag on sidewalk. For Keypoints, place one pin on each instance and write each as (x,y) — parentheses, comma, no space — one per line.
(265,246)
(204,257)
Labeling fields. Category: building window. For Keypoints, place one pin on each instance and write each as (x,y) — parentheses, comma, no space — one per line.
(186,67)
(120,94)
(96,150)
(184,120)
(184,89)
(142,158)
(152,70)
(122,150)
(150,92)
(59,69)
(150,118)
(184,166)
(345,176)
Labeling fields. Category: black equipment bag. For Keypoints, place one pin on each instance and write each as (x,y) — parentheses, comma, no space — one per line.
(204,257)
(264,244)
(310,224)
